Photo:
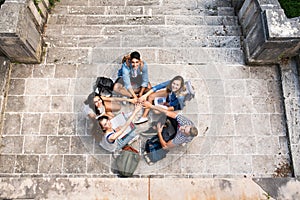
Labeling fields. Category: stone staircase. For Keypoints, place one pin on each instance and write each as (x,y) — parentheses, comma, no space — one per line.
(51,150)
(93,27)
(199,40)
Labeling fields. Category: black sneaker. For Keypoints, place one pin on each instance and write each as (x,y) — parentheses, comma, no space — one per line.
(154,123)
(141,120)
(150,131)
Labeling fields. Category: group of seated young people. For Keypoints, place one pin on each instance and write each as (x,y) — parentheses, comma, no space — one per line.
(134,85)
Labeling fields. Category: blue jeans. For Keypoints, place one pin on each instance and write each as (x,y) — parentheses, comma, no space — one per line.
(124,140)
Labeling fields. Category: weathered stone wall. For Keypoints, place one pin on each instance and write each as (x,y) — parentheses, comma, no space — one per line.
(4,70)
(21,25)
(269,35)
(291,94)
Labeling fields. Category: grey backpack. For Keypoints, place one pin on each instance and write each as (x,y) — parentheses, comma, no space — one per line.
(190,91)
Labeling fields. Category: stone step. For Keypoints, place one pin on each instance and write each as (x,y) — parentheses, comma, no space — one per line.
(109,3)
(170,3)
(226,11)
(148,41)
(201,30)
(152,55)
(142,20)
(177,9)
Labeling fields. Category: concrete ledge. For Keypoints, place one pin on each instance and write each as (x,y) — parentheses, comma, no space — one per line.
(4,70)
(269,36)
(20,30)
(280,188)
(146,188)
(291,97)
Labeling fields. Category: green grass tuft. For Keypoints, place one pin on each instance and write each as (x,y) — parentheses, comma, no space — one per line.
(291,7)
(52,2)
(1,2)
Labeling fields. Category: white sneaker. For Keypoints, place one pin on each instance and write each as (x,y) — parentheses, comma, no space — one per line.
(141,120)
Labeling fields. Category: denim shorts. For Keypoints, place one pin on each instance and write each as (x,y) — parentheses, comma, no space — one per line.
(124,140)
(135,82)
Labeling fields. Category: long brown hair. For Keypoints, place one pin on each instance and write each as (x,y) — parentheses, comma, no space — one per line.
(90,101)
(169,87)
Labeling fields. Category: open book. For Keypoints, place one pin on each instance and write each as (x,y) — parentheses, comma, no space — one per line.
(120,120)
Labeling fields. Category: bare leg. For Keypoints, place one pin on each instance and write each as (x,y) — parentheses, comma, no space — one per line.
(148,88)
(138,90)
(160,93)
(120,89)
(112,106)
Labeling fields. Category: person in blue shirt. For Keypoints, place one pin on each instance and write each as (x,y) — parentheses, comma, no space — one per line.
(173,93)
(133,78)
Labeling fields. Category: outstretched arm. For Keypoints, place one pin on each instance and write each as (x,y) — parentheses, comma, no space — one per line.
(145,96)
(169,113)
(154,89)
(128,122)
(118,99)
(131,91)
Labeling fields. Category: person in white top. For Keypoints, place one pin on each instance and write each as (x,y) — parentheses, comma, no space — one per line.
(96,106)
(110,140)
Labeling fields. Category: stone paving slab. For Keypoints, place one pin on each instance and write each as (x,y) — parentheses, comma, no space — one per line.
(147,188)
(245,137)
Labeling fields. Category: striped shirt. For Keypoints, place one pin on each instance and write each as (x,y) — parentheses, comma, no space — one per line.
(180,137)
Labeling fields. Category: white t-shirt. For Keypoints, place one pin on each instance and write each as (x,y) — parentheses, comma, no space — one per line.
(106,144)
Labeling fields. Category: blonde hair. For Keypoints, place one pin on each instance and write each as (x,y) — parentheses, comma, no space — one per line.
(126,59)
(193,131)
